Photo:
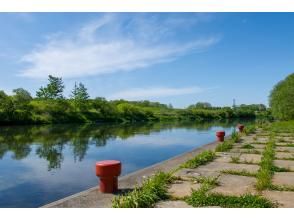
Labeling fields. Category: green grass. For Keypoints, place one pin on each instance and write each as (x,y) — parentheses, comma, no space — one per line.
(239,173)
(235,159)
(249,129)
(211,181)
(224,146)
(252,151)
(247,146)
(282,140)
(285,145)
(200,159)
(258,142)
(283,127)
(235,137)
(264,175)
(284,158)
(280,169)
(202,197)
(151,191)
(282,188)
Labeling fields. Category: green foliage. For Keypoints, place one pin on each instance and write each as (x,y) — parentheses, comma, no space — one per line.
(265,172)
(282,127)
(200,159)
(79,96)
(152,190)
(281,99)
(280,169)
(235,137)
(53,90)
(200,198)
(50,106)
(249,129)
(209,180)
(282,188)
(224,146)
(247,146)
(201,105)
(235,159)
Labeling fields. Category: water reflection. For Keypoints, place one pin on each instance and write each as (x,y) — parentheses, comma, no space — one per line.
(50,140)
(40,164)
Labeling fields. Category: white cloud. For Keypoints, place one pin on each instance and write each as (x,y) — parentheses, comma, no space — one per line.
(108,45)
(142,93)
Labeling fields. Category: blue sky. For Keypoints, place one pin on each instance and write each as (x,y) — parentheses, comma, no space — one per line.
(177,58)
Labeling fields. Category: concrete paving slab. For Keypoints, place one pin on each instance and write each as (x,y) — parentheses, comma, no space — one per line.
(289,164)
(172,204)
(285,149)
(283,198)
(181,189)
(240,150)
(243,158)
(235,185)
(283,144)
(284,139)
(283,178)
(281,155)
(188,174)
(219,166)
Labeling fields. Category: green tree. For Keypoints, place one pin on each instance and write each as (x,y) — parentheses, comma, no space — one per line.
(21,98)
(282,99)
(79,94)
(201,105)
(53,90)
(7,108)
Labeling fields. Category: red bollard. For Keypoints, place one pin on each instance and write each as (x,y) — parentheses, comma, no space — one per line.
(108,171)
(240,127)
(220,135)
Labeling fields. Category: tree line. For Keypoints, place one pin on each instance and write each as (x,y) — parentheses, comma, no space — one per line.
(51,106)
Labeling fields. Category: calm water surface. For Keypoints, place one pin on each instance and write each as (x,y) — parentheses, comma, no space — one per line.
(40,164)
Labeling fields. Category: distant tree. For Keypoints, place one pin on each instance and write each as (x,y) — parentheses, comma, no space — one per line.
(79,94)
(21,97)
(282,99)
(201,105)
(53,90)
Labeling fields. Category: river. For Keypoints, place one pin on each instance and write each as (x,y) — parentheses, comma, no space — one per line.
(41,164)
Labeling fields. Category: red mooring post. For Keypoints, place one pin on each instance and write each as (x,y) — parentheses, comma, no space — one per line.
(108,172)
(220,135)
(240,127)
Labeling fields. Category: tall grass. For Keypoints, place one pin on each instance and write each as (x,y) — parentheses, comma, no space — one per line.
(235,137)
(266,170)
(224,146)
(151,191)
(200,159)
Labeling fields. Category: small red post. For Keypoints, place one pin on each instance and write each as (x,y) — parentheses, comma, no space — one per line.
(220,135)
(240,127)
(108,171)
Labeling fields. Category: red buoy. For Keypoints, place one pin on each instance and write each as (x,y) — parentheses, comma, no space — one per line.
(240,127)
(108,172)
(220,135)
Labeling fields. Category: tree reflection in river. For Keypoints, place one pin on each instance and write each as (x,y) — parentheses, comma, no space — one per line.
(49,141)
